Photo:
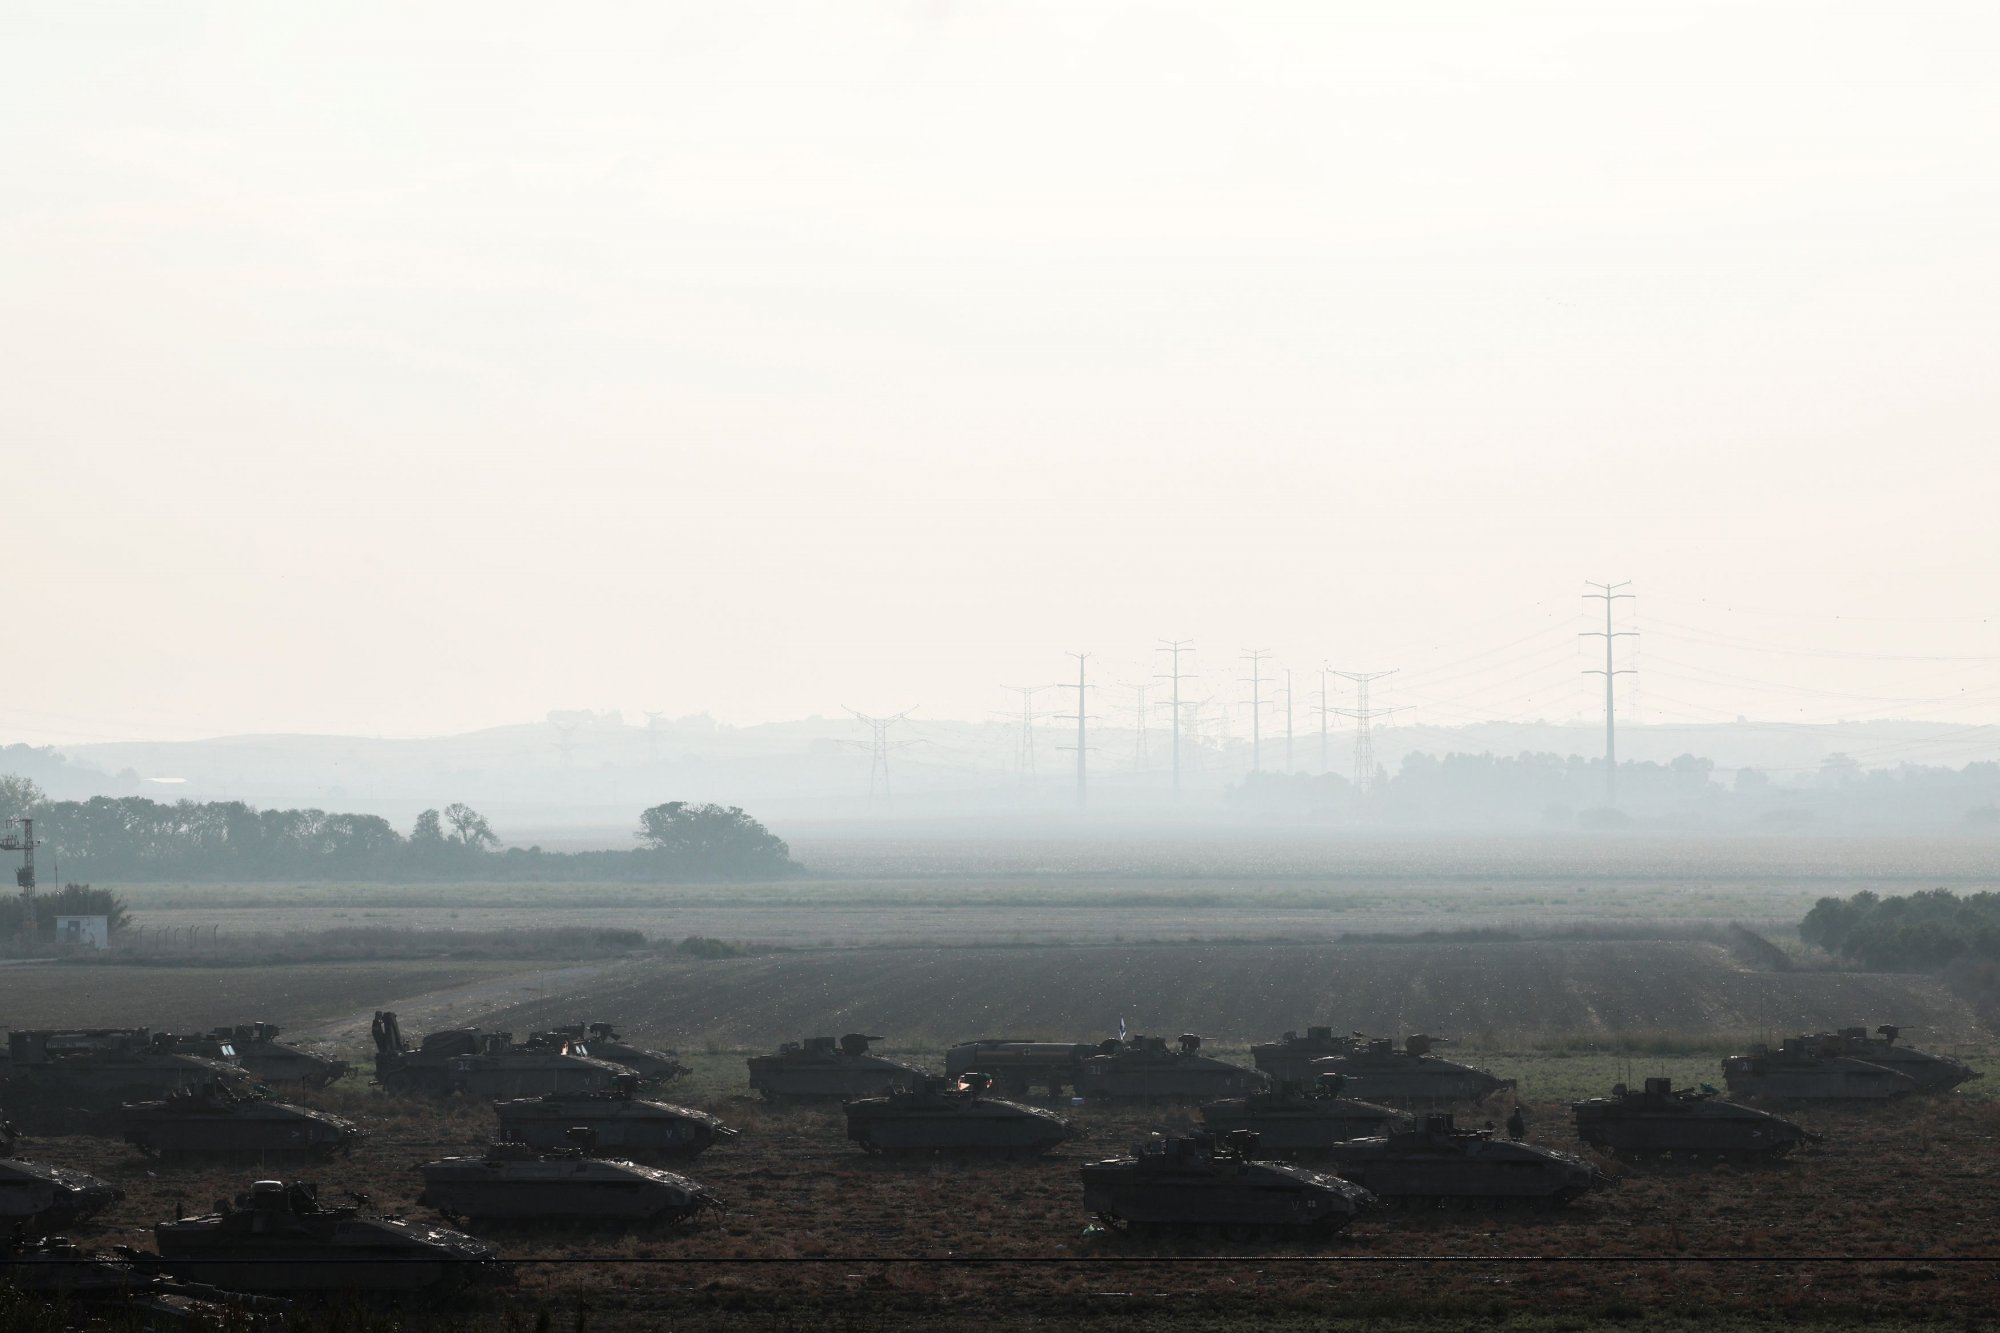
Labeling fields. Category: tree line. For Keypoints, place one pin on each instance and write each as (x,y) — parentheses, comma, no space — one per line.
(1921,931)
(134,838)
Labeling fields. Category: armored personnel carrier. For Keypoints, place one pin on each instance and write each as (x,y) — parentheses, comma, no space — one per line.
(940,1116)
(822,1069)
(36,1199)
(280,1237)
(1203,1181)
(1810,1069)
(1436,1162)
(1380,1072)
(269,1060)
(622,1122)
(1290,1058)
(1687,1123)
(1931,1073)
(123,1285)
(1018,1065)
(96,1069)
(218,1120)
(1295,1120)
(516,1183)
(601,1041)
(1148,1069)
(483,1064)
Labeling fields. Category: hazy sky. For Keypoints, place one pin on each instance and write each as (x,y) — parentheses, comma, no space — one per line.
(390,368)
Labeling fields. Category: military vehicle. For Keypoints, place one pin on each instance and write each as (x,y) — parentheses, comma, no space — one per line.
(1931,1073)
(1148,1069)
(1298,1120)
(219,1120)
(1017,1066)
(516,1183)
(280,1237)
(269,1060)
(602,1042)
(124,1286)
(483,1064)
(953,1116)
(1811,1069)
(819,1068)
(97,1069)
(1435,1162)
(1689,1123)
(1290,1057)
(624,1123)
(36,1199)
(1203,1181)
(1378,1071)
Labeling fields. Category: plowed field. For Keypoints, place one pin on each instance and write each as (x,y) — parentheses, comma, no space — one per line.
(1238,992)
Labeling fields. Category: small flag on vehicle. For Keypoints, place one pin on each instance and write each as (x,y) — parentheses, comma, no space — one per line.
(1121,1027)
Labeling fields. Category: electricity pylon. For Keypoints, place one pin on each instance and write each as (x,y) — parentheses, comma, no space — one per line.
(1176,647)
(1081,715)
(879,746)
(1608,593)
(1255,657)
(1363,715)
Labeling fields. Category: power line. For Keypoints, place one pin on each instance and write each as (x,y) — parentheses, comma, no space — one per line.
(1608,593)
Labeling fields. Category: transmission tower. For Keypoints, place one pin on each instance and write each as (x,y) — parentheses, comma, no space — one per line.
(1363,715)
(653,735)
(565,725)
(1081,715)
(1141,761)
(1255,680)
(1024,744)
(1609,593)
(879,745)
(1175,647)
(25,843)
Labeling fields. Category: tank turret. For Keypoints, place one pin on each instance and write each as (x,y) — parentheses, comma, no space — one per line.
(601,1041)
(1931,1073)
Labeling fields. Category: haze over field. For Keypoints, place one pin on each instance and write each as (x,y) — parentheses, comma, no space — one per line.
(409,372)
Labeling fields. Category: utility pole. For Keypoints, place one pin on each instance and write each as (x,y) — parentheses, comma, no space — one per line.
(879,745)
(1364,743)
(1176,647)
(1609,593)
(1255,657)
(1082,714)
(1323,673)
(1289,767)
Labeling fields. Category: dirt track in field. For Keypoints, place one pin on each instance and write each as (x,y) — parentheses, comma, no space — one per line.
(1235,992)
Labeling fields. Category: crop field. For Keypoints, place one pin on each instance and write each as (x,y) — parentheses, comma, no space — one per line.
(1476,992)
(1887,1207)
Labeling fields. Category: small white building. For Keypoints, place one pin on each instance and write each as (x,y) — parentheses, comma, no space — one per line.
(84,932)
